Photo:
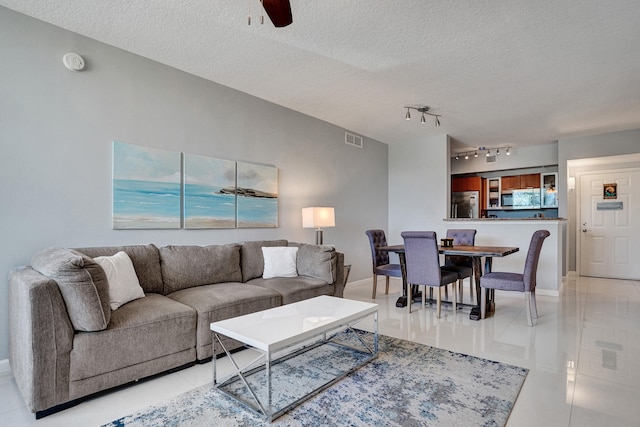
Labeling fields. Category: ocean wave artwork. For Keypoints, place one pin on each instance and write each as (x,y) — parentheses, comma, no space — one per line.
(146,187)
(257,195)
(206,205)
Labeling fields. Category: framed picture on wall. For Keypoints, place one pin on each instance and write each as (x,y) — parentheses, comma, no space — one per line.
(209,192)
(257,195)
(146,187)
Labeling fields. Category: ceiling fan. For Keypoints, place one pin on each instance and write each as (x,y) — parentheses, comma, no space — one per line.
(279,12)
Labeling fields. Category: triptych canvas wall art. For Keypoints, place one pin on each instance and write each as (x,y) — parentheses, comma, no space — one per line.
(161,189)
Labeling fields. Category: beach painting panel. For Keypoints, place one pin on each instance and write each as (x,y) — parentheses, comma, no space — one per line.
(209,192)
(257,195)
(146,187)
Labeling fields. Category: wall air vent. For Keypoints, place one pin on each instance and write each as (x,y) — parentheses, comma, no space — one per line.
(491,159)
(353,140)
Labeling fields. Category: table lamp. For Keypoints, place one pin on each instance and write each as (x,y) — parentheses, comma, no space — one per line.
(317,217)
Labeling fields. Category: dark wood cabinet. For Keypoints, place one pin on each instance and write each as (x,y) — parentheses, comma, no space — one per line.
(467,183)
(519,182)
(510,182)
(531,180)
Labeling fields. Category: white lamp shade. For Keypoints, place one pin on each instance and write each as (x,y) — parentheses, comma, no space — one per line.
(317,217)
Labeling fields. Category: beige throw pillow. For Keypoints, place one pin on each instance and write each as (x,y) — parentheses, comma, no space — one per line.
(123,281)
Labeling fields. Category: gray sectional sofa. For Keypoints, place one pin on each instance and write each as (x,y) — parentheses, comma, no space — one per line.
(67,344)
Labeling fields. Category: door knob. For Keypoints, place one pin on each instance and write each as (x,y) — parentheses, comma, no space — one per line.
(584,227)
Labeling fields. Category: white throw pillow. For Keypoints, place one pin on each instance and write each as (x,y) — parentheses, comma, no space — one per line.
(123,281)
(279,261)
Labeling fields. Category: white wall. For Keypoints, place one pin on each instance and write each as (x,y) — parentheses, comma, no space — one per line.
(56,129)
(532,156)
(593,147)
(418,186)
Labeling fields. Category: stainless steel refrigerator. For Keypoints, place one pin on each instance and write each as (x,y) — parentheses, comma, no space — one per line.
(465,204)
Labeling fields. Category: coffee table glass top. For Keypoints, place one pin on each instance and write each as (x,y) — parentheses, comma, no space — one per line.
(279,327)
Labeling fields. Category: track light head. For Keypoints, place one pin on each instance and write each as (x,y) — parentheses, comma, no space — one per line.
(508,153)
(408,116)
(437,122)
(475,154)
(423,120)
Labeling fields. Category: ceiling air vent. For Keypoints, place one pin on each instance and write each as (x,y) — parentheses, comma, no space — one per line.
(354,140)
(491,159)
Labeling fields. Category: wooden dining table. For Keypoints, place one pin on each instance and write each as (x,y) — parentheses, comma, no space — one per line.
(476,253)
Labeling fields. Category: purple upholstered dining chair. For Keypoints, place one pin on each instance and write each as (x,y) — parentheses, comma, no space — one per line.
(462,265)
(423,265)
(381,265)
(517,282)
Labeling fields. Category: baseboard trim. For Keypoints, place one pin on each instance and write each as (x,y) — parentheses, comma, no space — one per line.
(358,282)
(5,368)
(547,292)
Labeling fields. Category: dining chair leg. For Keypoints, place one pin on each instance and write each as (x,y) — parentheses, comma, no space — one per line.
(375,285)
(455,299)
(527,302)
(460,289)
(438,304)
(409,286)
(483,303)
(424,297)
(472,285)
(446,291)
(534,304)
(386,289)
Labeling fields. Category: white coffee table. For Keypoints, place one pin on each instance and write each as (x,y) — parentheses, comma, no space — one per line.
(282,334)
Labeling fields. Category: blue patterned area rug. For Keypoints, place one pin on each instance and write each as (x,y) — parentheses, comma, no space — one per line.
(409,384)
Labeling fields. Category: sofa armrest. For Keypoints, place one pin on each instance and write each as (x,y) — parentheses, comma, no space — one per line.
(40,339)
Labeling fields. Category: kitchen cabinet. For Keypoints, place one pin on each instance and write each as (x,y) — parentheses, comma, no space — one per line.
(520,182)
(493,191)
(548,183)
(467,183)
(531,180)
(511,182)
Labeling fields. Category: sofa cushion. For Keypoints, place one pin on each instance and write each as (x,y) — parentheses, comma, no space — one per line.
(83,285)
(145,329)
(145,259)
(222,301)
(123,282)
(317,261)
(294,289)
(251,258)
(189,266)
(279,261)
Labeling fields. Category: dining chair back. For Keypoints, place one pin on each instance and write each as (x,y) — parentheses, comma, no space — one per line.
(423,266)
(460,264)
(525,282)
(380,259)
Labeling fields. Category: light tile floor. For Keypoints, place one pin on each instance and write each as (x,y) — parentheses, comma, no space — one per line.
(583,356)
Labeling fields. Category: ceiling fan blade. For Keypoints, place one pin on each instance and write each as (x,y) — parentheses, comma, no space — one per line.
(279,12)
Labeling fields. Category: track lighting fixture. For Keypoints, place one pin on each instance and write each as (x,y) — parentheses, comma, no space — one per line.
(485,150)
(424,110)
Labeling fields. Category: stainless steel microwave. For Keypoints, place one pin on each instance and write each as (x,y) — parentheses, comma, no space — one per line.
(506,200)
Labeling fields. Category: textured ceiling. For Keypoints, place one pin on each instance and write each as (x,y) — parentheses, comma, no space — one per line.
(501,72)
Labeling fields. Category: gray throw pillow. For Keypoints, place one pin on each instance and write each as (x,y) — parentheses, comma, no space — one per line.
(83,285)
(318,261)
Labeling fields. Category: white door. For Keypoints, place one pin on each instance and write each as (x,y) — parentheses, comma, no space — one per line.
(609,229)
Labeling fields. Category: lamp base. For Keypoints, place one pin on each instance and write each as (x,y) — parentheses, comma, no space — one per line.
(318,237)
